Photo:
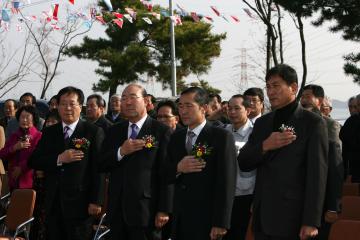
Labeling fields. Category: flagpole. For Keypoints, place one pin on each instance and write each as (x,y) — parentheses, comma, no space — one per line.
(173,60)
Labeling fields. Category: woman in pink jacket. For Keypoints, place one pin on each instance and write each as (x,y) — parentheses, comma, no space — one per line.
(20,146)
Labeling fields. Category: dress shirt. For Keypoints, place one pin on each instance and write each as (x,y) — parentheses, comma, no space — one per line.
(245,181)
(196,131)
(252,120)
(71,127)
(139,125)
(71,130)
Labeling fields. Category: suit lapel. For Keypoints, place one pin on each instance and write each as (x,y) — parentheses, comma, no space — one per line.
(203,136)
(146,128)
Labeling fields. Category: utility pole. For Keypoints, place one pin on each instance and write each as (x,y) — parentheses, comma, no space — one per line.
(173,56)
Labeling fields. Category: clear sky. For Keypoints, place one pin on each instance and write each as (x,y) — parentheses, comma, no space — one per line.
(324,53)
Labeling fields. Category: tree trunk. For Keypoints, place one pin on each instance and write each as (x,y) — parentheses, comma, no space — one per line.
(303,55)
(280,35)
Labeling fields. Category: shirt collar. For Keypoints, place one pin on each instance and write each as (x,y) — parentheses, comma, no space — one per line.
(254,118)
(139,123)
(71,126)
(198,129)
(243,131)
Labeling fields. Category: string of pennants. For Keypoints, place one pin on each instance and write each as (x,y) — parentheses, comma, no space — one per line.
(12,7)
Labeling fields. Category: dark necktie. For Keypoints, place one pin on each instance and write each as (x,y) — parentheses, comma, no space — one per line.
(189,145)
(134,133)
(66,133)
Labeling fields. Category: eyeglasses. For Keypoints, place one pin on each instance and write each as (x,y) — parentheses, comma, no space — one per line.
(67,105)
(164,116)
(130,97)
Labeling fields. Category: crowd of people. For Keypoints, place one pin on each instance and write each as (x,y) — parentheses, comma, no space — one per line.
(193,168)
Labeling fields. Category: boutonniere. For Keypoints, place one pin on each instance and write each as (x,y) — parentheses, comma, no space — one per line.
(81,143)
(285,128)
(150,141)
(199,151)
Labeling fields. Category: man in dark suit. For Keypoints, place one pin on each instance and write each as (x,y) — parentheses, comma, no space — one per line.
(114,115)
(204,186)
(133,152)
(73,186)
(314,94)
(95,108)
(289,149)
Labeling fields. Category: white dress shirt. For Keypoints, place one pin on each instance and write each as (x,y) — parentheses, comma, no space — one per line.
(196,131)
(139,125)
(245,181)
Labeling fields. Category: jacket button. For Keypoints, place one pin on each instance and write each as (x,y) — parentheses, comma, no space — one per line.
(182,186)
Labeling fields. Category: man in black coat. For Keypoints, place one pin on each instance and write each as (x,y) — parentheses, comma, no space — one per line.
(204,185)
(95,107)
(133,152)
(68,153)
(314,95)
(289,149)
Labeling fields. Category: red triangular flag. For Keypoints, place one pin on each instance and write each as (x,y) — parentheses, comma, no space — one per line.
(118,15)
(72,1)
(55,12)
(209,18)
(100,19)
(119,22)
(215,10)
(235,18)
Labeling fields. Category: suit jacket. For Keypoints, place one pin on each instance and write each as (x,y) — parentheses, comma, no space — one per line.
(335,177)
(291,181)
(118,119)
(103,123)
(78,183)
(203,200)
(135,185)
(350,137)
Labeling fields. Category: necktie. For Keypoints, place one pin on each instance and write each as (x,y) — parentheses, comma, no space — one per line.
(189,144)
(133,131)
(66,132)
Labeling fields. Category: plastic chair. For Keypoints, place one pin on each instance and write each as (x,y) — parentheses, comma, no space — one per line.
(19,214)
(345,230)
(350,209)
(351,189)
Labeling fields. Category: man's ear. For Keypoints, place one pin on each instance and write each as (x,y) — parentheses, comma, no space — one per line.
(204,108)
(294,88)
(248,111)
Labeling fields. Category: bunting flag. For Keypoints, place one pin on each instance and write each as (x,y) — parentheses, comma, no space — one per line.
(156,15)
(128,17)
(209,18)
(195,17)
(55,11)
(118,22)
(131,12)
(235,18)
(108,5)
(72,2)
(165,13)
(176,19)
(147,20)
(215,10)
(15,7)
(118,15)
(183,12)
(5,15)
(55,27)
(248,12)
(224,18)
(93,13)
(100,19)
